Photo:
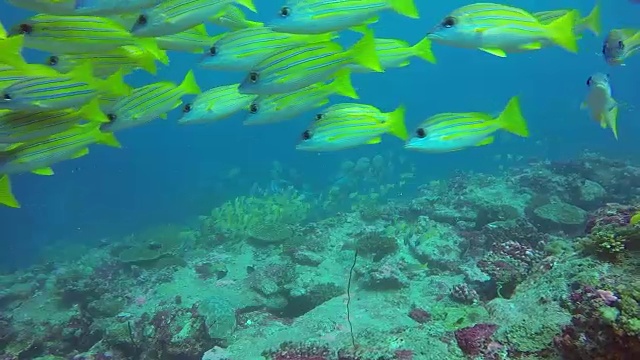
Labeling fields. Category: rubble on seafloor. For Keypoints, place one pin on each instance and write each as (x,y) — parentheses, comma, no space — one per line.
(539,263)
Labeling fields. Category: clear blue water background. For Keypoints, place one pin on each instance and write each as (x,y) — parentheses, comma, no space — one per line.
(168,173)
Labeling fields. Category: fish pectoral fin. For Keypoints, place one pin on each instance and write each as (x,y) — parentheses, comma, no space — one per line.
(46,171)
(496,52)
(486,141)
(480,30)
(375,140)
(603,124)
(80,153)
(531,46)
(163,116)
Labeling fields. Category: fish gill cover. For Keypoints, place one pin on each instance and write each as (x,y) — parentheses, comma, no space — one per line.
(312,179)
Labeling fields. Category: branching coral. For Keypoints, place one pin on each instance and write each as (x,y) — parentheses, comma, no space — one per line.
(610,233)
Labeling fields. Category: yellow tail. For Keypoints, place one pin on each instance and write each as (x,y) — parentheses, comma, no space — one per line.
(189,84)
(364,52)
(144,59)
(115,85)
(151,45)
(92,112)
(6,194)
(592,21)
(107,138)
(561,32)
(423,50)
(11,51)
(405,7)
(341,85)
(395,121)
(511,119)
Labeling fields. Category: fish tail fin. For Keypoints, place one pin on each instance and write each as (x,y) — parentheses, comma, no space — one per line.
(151,45)
(364,52)
(248,4)
(115,85)
(511,118)
(341,85)
(592,21)
(6,194)
(561,31)
(146,60)
(3,31)
(11,53)
(613,115)
(423,50)
(92,112)
(405,7)
(107,138)
(396,123)
(189,84)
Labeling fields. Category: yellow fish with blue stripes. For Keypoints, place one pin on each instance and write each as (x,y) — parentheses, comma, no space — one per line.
(39,155)
(125,59)
(80,34)
(500,29)
(322,16)
(281,107)
(24,126)
(37,92)
(243,49)
(344,126)
(149,102)
(173,16)
(304,65)
(456,131)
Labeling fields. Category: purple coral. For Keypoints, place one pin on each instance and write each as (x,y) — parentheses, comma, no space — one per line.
(475,340)
(464,294)
(509,262)
(610,214)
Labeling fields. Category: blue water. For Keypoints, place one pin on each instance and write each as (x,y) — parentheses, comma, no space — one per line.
(167,173)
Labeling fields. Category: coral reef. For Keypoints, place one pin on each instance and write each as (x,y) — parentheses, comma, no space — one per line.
(539,262)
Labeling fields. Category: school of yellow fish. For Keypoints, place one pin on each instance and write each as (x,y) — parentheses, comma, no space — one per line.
(54,110)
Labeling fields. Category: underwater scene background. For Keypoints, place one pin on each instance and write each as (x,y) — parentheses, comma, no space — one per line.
(225,237)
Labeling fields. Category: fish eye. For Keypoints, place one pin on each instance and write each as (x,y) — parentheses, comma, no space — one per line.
(319,116)
(253,76)
(213,51)
(285,11)
(253,108)
(421,133)
(6,96)
(589,80)
(142,20)
(306,135)
(621,45)
(186,108)
(112,117)
(25,29)
(53,60)
(449,22)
